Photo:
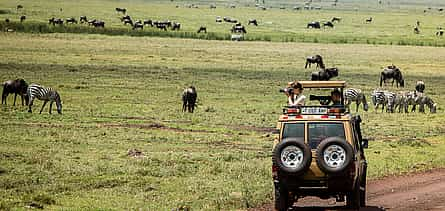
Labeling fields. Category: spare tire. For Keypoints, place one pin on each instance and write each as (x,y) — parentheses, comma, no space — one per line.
(334,155)
(292,156)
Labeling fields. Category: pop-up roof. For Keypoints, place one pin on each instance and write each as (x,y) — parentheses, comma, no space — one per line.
(321,84)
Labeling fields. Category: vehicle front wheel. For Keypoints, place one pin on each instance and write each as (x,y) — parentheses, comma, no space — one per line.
(281,198)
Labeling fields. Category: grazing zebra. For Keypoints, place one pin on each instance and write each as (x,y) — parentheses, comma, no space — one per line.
(423,100)
(44,94)
(384,98)
(404,99)
(356,95)
(420,86)
(390,101)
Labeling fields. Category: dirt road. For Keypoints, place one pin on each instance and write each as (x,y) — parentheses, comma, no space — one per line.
(420,191)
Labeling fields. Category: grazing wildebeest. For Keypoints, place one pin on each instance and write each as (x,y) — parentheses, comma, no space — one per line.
(212,6)
(369,20)
(335,19)
(202,29)
(22,18)
(189,97)
(91,22)
(148,22)
(98,23)
(71,20)
(128,21)
(126,17)
(218,19)
(416,30)
(439,32)
(324,74)
(394,74)
(19,7)
(55,21)
(45,94)
(329,23)
(160,25)
(238,29)
(7,20)
(315,59)
(176,26)
(230,20)
(138,25)
(122,10)
(296,8)
(314,24)
(253,21)
(420,86)
(16,87)
(83,19)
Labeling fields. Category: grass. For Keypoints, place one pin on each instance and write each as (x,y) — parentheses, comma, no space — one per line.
(121,93)
(391,26)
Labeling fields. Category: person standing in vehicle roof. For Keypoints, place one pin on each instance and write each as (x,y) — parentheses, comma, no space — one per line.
(336,97)
(295,95)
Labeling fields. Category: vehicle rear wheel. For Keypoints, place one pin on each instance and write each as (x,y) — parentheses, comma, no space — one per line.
(292,156)
(281,198)
(334,154)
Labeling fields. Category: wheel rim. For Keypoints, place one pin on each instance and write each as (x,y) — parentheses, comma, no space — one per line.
(292,157)
(334,156)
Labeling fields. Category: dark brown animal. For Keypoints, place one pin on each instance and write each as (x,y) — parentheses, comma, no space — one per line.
(335,19)
(202,29)
(18,87)
(176,26)
(122,10)
(71,20)
(189,97)
(393,73)
(83,19)
(324,74)
(253,21)
(22,18)
(315,59)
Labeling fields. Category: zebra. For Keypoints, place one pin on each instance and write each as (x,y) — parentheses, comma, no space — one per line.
(423,99)
(390,101)
(404,99)
(378,98)
(44,94)
(356,95)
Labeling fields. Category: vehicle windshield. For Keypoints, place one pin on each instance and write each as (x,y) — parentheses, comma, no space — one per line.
(320,131)
(294,130)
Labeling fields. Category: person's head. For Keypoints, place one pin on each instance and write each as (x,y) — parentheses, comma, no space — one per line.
(298,88)
(336,95)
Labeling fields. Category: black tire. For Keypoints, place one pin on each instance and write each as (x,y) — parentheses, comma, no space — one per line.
(353,197)
(306,159)
(347,156)
(281,198)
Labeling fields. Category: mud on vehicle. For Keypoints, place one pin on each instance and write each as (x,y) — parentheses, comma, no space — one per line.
(318,152)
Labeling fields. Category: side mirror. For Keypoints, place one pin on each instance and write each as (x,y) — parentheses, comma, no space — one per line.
(365,143)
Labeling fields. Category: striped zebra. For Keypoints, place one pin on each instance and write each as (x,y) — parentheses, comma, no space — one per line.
(357,96)
(422,100)
(44,94)
(404,99)
(384,98)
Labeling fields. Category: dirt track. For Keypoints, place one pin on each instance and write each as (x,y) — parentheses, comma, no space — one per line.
(421,191)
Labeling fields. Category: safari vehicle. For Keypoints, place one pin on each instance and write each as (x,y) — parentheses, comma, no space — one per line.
(319,151)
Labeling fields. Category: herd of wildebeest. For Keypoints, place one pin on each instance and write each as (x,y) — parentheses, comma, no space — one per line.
(238,30)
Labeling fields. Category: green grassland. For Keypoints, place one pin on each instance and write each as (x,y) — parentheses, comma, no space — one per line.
(393,24)
(121,93)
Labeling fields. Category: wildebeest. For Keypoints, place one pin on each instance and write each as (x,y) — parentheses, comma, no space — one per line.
(253,21)
(189,97)
(416,30)
(238,28)
(83,19)
(218,19)
(55,21)
(230,20)
(98,23)
(138,25)
(22,18)
(324,74)
(369,20)
(7,20)
(393,73)
(314,24)
(439,32)
(335,19)
(148,22)
(19,7)
(176,26)
(122,10)
(212,6)
(128,21)
(420,86)
(16,87)
(71,20)
(315,59)
(329,23)
(202,29)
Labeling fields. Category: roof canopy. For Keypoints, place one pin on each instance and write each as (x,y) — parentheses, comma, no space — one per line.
(321,84)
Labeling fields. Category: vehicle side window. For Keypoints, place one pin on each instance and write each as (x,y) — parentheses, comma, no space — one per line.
(295,130)
(320,131)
